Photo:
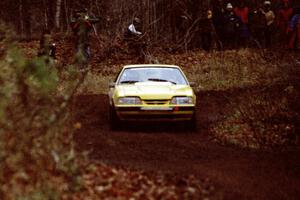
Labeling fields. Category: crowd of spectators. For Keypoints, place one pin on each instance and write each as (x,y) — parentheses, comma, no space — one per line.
(237,24)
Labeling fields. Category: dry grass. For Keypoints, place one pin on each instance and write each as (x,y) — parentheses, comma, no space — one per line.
(213,71)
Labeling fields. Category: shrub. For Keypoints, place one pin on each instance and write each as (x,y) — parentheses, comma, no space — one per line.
(37,157)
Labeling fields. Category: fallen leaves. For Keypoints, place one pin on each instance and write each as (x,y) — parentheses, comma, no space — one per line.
(101,181)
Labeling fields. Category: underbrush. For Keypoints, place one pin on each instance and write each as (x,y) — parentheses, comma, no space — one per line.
(37,157)
(261,118)
(265,113)
(220,71)
(264,107)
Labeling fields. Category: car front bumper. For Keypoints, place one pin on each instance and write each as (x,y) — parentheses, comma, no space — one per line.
(176,113)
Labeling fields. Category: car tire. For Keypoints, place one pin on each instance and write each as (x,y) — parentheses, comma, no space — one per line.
(114,121)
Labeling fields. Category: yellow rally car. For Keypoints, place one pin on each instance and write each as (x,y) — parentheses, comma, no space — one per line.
(151,93)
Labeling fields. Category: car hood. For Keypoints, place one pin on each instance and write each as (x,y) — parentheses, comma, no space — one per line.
(153,90)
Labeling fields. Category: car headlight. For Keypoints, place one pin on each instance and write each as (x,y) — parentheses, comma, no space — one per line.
(129,100)
(182,100)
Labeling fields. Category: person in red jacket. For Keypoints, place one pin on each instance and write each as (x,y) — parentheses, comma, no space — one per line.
(81,25)
(242,12)
(284,16)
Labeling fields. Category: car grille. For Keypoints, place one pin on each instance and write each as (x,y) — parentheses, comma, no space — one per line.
(157,117)
(156,102)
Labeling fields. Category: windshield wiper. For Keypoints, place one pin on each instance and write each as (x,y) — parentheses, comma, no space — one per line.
(129,82)
(161,80)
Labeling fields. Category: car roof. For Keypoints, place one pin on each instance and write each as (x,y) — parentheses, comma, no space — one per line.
(150,65)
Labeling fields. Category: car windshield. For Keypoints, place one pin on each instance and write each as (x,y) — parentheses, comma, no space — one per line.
(154,74)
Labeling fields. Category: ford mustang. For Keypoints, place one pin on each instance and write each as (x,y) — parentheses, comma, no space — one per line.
(151,93)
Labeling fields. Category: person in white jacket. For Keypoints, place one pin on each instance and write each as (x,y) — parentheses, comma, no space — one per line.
(133,28)
(134,38)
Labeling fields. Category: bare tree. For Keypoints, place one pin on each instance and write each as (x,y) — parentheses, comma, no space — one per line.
(21,18)
(163,20)
(25,18)
(57,14)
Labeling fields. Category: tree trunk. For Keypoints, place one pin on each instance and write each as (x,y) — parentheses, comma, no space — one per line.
(21,18)
(57,14)
(46,25)
(66,15)
(25,18)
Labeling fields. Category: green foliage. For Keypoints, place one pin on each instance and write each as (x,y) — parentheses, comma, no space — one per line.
(37,157)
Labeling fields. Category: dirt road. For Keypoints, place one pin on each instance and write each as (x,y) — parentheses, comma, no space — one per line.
(236,173)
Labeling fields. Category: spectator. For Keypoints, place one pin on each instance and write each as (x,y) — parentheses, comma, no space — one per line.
(218,19)
(134,38)
(133,28)
(257,22)
(242,11)
(269,26)
(232,26)
(81,25)
(47,46)
(206,31)
(294,31)
(285,14)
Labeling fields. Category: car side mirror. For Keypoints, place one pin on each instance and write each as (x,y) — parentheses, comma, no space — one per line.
(192,84)
(112,85)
